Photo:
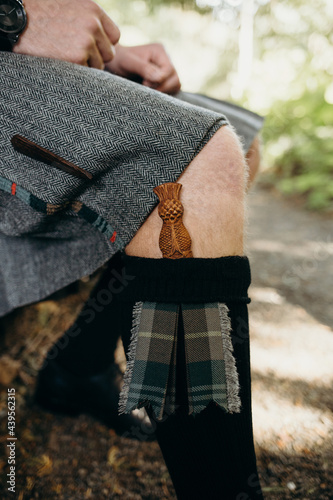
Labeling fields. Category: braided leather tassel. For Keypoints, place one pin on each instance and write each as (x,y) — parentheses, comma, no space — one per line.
(175,241)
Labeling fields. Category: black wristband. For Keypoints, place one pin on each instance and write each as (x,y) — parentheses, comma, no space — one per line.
(6,45)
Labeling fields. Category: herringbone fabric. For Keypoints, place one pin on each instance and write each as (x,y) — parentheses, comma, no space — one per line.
(130,138)
(211,373)
(126,135)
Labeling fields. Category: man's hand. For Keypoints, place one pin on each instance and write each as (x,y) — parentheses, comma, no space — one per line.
(77,31)
(149,62)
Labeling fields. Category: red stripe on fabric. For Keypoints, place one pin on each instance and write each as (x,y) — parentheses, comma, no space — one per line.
(113,237)
(13,189)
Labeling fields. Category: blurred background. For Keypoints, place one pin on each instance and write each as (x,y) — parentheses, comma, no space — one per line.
(273,56)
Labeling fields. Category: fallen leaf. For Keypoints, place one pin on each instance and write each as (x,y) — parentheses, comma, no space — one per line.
(88,493)
(46,466)
(112,455)
(9,368)
(30,482)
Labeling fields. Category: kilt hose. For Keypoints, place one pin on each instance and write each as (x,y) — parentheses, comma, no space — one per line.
(197,393)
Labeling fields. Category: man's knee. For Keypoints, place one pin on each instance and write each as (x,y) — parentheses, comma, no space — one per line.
(213,199)
(217,176)
(230,166)
(221,163)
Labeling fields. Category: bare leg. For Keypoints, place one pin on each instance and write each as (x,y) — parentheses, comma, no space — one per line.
(213,448)
(213,199)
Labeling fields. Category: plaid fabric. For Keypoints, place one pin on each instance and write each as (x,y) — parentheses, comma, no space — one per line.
(211,373)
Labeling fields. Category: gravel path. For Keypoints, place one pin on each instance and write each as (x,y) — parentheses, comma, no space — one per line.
(292,340)
(291,318)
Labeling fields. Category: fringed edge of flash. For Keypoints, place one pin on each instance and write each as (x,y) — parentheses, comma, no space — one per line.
(123,397)
(233,387)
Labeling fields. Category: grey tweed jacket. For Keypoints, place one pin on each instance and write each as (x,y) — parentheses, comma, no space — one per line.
(54,227)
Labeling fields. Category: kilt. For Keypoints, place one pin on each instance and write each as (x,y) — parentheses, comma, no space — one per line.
(56,228)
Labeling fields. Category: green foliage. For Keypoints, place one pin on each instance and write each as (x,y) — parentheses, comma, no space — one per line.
(300,134)
(299,126)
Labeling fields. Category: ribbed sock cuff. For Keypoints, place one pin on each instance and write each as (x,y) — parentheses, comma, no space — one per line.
(225,279)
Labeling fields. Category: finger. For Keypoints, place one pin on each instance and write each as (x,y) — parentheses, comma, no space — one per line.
(102,41)
(158,75)
(154,74)
(133,64)
(160,58)
(95,59)
(170,86)
(106,49)
(111,29)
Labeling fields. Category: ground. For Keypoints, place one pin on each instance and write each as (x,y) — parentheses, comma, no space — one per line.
(59,457)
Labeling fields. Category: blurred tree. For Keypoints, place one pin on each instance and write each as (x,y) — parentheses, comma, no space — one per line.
(299,127)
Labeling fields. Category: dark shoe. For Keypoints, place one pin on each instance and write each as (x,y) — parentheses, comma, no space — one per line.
(58,390)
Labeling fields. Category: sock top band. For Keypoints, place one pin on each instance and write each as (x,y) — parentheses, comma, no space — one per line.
(225,279)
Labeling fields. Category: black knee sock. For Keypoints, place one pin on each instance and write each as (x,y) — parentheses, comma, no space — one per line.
(87,348)
(209,455)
